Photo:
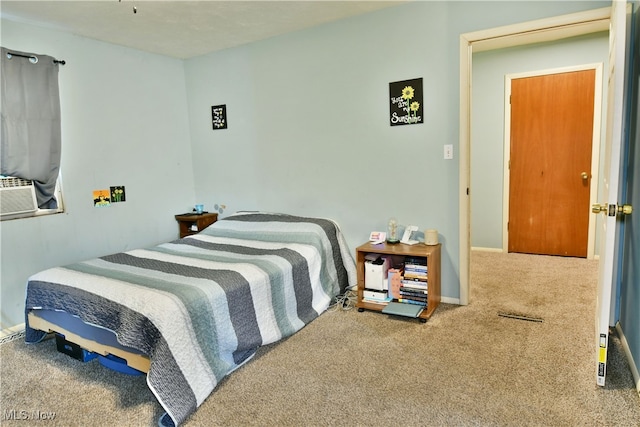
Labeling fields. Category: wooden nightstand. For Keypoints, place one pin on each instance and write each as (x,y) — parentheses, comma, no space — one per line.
(398,253)
(200,221)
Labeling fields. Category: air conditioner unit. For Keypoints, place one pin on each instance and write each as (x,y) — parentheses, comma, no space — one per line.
(17,196)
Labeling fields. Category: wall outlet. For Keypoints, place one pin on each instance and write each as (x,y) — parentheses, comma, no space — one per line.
(448,151)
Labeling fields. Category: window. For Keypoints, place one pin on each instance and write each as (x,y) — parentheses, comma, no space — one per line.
(31,135)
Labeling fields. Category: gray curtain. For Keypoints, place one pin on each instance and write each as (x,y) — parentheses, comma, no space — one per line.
(30,146)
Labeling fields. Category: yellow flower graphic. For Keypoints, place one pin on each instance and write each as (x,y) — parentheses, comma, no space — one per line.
(415,106)
(117,194)
(407,92)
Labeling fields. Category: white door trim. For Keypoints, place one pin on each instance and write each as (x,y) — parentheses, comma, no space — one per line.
(595,146)
(554,28)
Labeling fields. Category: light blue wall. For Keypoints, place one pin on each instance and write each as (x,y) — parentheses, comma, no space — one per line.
(308,120)
(124,122)
(309,127)
(630,282)
(308,133)
(487,134)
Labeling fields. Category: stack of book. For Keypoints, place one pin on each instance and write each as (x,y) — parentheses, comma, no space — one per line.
(413,288)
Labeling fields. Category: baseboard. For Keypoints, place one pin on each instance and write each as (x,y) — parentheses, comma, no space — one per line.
(448,300)
(480,249)
(12,333)
(627,352)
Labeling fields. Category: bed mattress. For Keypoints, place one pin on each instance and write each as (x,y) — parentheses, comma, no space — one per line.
(199,307)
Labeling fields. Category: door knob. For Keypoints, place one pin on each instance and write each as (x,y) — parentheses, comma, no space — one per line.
(625,209)
(584,175)
(612,210)
(597,208)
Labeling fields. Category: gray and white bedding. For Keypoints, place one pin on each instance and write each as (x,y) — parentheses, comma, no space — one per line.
(200,306)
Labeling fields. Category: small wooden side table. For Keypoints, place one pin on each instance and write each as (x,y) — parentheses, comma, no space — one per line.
(398,252)
(194,223)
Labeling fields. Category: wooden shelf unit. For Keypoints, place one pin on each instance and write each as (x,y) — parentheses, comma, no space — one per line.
(201,221)
(398,252)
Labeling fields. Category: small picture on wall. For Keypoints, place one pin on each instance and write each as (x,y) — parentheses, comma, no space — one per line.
(405,102)
(219,116)
(118,194)
(101,198)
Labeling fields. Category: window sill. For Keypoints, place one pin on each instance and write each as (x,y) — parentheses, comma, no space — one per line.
(38,213)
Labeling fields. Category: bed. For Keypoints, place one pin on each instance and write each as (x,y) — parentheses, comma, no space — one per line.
(191,311)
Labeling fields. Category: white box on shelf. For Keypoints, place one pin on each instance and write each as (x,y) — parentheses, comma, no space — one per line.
(374,295)
(375,273)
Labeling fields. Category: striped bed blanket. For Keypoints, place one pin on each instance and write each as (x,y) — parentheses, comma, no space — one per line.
(200,306)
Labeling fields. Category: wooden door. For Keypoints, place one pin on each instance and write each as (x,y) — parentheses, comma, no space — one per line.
(550,163)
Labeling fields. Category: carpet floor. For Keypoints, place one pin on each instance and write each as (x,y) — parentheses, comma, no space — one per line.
(467,366)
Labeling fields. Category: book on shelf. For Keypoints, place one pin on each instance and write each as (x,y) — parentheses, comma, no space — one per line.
(412,298)
(413,284)
(416,267)
(416,287)
(399,309)
(410,294)
(411,301)
(415,280)
(395,282)
(377,301)
(415,277)
(415,274)
(404,290)
(415,260)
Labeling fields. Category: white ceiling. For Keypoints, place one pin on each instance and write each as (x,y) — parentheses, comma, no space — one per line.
(181,28)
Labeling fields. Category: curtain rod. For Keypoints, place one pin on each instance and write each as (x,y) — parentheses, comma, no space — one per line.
(35,58)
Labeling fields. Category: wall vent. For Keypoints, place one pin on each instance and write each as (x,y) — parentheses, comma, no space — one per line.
(17,196)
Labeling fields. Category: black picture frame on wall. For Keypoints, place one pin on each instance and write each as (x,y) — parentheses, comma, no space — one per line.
(219,116)
(405,102)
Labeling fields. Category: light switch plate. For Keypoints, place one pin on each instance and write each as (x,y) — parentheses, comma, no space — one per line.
(448,151)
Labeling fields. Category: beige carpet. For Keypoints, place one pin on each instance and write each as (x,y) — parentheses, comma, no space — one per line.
(467,366)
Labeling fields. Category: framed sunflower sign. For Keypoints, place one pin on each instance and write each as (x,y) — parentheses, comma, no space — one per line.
(405,102)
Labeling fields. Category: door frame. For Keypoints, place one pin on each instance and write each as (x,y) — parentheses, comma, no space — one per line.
(595,146)
(549,29)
